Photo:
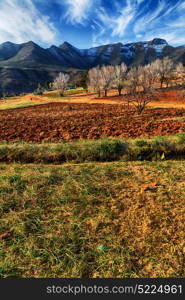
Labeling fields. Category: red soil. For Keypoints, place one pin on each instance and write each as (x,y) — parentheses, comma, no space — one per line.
(54,122)
(174,96)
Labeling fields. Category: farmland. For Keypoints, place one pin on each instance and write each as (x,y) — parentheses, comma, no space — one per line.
(91,118)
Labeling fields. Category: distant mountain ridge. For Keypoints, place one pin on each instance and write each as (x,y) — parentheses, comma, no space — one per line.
(23,66)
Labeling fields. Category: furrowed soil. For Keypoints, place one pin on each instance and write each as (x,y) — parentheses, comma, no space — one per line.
(75,121)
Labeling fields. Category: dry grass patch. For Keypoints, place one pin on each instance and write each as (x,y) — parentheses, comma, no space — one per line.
(94,220)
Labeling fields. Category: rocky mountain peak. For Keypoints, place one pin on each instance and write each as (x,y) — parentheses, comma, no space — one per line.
(158,41)
(66,45)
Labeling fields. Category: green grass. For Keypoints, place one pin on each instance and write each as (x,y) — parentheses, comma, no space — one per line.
(55,94)
(101,150)
(7,105)
(75,91)
(113,219)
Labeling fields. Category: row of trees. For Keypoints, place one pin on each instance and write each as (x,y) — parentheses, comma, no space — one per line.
(137,79)
(142,78)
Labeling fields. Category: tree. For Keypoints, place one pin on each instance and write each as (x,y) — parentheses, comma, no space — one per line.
(164,69)
(47,85)
(141,83)
(60,83)
(180,73)
(133,77)
(180,68)
(94,80)
(120,76)
(141,100)
(152,74)
(39,90)
(106,78)
(147,77)
(83,81)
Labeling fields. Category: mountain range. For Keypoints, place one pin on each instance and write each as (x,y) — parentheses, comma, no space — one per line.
(23,66)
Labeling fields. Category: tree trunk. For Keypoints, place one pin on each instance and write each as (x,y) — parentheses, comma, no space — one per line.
(119,91)
(99,94)
(162,81)
(105,93)
(61,93)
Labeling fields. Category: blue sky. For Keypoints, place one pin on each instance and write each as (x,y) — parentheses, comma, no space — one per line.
(88,23)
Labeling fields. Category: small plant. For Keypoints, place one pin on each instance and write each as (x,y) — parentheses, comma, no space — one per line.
(181,137)
(141,100)
(141,143)
(5,95)
(39,90)
(32,223)
(68,107)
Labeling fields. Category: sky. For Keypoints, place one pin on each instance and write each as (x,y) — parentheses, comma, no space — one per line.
(90,23)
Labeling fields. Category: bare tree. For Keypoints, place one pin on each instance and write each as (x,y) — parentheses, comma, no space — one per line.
(60,83)
(94,80)
(149,76)
(180,68)
(120,72)
(180,73)
(143,78)
(141,100)
(164,68)
(107,78)
(133,78)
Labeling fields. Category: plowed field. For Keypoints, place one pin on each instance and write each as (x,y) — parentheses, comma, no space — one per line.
(59,121)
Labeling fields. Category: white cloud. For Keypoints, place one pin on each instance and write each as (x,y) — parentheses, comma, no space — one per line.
(97,37)
(118,24)
(140,1)
(143,23)
(173,37)
(165,21)
(115,24)
(77,10)
(20,21)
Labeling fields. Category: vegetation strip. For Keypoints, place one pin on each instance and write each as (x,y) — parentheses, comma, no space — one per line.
(157,148)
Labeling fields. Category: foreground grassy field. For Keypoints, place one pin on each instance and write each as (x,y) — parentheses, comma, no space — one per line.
(116,219)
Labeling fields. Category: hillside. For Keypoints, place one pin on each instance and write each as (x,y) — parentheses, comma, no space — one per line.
(23,66)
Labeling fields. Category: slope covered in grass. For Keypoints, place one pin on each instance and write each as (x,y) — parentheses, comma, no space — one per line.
(121,219)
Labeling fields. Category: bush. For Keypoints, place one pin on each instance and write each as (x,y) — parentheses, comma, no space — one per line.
(141,143)
(181,137)
(104,150)
(38,93)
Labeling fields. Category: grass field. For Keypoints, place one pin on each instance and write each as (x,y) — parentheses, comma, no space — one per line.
(113,219)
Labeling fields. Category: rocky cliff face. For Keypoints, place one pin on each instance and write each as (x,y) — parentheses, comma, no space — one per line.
(23,66)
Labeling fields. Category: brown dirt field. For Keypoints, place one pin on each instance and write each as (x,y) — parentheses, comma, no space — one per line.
(55,122)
